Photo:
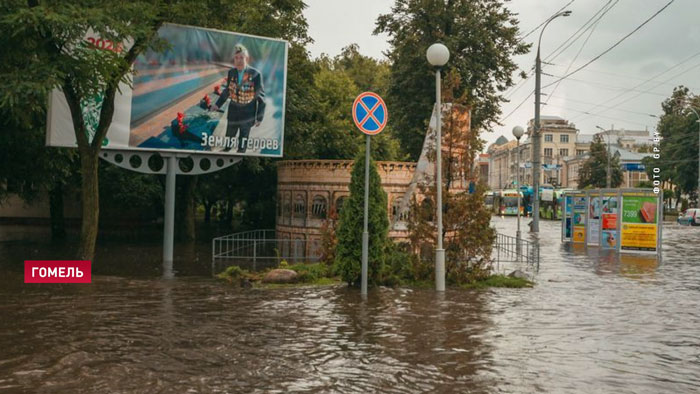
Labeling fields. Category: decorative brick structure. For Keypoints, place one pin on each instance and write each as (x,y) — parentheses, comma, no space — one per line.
(308,190)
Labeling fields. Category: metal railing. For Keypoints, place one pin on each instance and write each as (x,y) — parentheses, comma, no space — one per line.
(259,249)
(507,249)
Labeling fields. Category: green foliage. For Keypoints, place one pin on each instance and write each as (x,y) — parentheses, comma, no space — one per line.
(594,171)
(482,36)
(337,82)
(468,237)
(234,273)
(678,130)
(130,194)
(350,227)
(498,281)
(310,273)
(43,48)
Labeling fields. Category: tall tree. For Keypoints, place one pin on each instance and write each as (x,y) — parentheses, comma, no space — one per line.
(594,172)
(678,148)
(44,48)
(482,36)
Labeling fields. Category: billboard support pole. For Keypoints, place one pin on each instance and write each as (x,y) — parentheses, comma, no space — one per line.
(140,161)
(169,217)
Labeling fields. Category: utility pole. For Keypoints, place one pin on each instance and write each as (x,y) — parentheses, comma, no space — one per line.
(537,137)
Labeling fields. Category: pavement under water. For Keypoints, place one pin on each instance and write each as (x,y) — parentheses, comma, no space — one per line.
(594,322)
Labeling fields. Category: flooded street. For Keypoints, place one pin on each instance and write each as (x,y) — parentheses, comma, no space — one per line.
(593,323)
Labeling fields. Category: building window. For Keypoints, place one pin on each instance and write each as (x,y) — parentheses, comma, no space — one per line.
(339,204)
(299,207)
(563,152)
(395,207)
(548,138)
(580,152)
(548,152)
(287,206)
(319,207)
(564,138)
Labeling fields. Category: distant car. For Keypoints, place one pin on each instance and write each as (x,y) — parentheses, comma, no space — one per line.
(691,217)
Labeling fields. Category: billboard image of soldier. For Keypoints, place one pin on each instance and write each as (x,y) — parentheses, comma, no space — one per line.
(209,91)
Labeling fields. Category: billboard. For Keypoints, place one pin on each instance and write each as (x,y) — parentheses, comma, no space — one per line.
(639,223)
(579,218)
(609,222)
(593,224)
(210,91)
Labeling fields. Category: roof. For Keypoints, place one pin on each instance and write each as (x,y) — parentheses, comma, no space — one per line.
(627,156)
(501,140)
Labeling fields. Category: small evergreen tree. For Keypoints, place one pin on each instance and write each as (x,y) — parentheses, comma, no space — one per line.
(595,169)
(349,252)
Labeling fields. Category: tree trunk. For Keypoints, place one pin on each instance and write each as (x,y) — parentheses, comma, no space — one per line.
(228,219)
(207,211)
(90,200)
(189,211)
(58,224)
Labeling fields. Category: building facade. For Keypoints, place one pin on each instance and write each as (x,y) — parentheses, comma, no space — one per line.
(308,191)
(564,150)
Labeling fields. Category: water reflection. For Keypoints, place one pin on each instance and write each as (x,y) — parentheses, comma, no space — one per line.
(595,322)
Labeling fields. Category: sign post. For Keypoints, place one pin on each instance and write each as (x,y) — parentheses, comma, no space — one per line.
(370,115)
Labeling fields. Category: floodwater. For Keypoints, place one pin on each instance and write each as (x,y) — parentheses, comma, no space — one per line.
(593,324)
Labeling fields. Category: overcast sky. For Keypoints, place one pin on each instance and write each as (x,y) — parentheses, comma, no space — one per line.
(622,88)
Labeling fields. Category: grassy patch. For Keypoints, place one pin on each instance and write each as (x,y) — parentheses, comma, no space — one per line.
(498,281)
(310,272)
(321,282)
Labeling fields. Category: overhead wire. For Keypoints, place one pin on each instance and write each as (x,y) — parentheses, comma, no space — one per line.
(651,79)
(614,45)
(594,19)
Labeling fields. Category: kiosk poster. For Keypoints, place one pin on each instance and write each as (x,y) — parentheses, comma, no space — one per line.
(568,205)
(579,219)
(593,224)
(209,91)
(609,219)
(639,218)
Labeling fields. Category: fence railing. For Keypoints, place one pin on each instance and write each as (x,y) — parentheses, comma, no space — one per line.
(260,249)
(507,248)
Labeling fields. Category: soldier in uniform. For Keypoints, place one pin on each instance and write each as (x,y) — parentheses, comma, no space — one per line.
(244,86)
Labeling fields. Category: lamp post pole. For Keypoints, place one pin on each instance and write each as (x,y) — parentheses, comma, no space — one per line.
(438,55)
(537,137)
(517,133)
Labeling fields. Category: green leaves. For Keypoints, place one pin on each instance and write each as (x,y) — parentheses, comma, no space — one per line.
(482,36)
(594,171)
(351,224)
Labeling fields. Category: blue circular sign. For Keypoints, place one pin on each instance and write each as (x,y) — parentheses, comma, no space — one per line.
(369,113)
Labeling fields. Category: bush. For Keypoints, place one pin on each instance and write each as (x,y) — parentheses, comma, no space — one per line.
(309,273)
(350,227)
(234,273)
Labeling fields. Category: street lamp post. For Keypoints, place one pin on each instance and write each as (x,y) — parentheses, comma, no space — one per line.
(517,133)
(537,137)
(438,55)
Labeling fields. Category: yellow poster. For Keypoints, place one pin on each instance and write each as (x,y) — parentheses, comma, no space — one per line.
(579,233)
(638,237)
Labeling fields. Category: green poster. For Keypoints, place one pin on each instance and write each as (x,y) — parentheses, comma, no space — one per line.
(639,209)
